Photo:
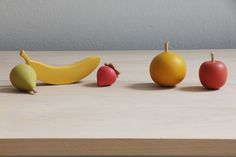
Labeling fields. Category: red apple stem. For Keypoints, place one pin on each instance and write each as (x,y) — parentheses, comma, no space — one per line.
(166,46)
(212,56)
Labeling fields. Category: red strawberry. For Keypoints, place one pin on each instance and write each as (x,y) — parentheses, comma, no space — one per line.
(106,75)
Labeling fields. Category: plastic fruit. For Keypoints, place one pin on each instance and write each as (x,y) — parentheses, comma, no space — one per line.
(106,75)
(168,68)
(23,77)
(213,74)
(62,74)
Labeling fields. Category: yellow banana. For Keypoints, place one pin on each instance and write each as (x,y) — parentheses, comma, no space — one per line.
(62,74)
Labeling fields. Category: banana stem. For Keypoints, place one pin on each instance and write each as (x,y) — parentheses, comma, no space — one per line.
(24,55)
(212,56)
(166,46)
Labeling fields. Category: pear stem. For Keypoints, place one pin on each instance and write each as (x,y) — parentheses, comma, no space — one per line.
(32,92)
(212,56)
(166,46)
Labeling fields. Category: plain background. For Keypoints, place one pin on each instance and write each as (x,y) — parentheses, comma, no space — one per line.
(117,24)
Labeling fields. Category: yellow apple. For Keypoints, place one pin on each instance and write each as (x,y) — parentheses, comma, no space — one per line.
(167,68)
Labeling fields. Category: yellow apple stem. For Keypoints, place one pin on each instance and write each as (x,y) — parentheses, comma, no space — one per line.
(166,46)
(212,56)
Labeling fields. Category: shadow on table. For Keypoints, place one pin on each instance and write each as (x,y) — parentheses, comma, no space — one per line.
(46,84)
(147,86)
(193,89)
(91,85)
(43,84)
(10,89)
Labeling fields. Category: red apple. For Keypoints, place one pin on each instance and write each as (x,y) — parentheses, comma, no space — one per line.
(213,74)
(106,75)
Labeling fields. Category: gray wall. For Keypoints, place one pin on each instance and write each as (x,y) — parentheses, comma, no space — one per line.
(116,24)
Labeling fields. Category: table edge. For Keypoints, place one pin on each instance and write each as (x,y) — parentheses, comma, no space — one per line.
(122,147)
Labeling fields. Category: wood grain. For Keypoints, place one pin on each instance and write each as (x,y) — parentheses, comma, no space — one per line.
(132,117)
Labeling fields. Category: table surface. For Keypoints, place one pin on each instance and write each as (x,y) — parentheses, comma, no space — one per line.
(131,117)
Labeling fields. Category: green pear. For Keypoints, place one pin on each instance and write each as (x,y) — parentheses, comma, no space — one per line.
(23,77)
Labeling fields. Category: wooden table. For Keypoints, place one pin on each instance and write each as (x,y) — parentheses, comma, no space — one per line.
(132,117)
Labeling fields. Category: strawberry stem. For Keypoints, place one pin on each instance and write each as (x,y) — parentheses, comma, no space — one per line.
(113,67)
